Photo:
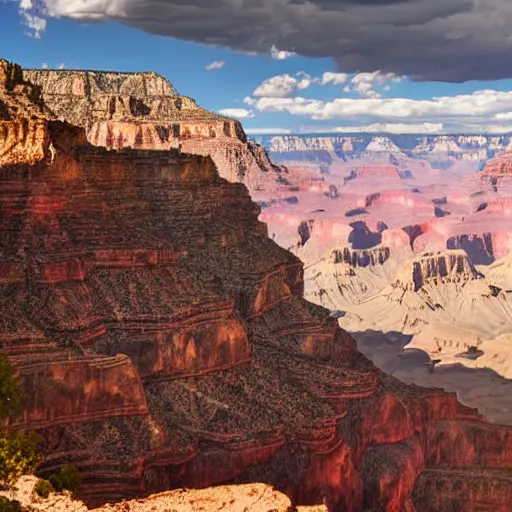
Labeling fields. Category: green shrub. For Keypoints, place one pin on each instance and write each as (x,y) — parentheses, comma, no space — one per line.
(18,455)
(7,505)
(70,477)
(56,482)
(43,488)
(11,393)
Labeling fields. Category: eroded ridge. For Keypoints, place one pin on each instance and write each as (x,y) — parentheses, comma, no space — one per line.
(164,342)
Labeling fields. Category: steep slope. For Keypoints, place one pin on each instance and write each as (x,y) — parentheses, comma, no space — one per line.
(163,341)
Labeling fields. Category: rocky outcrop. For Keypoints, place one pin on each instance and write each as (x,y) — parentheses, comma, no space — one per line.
(163,340)
(362,257)
(499,166)
(144,111)
(227,498)
(447,266)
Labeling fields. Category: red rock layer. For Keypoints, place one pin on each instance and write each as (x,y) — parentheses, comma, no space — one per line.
(163,342)
(499,166)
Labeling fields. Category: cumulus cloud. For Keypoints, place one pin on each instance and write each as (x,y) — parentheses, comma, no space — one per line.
(280,54)
(282,86)
(366,83)
(237,113)
(333,78)
(484,104)
(216,64)
(448,40)
(278,86)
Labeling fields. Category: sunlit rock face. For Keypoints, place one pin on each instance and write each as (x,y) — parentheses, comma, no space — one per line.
(144,111)
(164,342)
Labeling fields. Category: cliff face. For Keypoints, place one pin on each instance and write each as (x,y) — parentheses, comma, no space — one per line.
(441,267)
(144,111)
(163,340)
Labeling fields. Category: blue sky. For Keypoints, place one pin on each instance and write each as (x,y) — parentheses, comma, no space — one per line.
(111,45)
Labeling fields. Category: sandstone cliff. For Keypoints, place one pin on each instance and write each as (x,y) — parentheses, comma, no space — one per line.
(163,340)
(144,111)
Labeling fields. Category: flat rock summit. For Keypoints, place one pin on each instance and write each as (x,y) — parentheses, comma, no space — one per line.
(163,339)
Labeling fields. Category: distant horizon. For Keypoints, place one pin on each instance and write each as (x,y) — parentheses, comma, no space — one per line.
(387,134)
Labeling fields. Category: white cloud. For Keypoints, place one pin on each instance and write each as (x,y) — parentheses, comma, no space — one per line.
(237,113)
(44,65)
(392,128)
(282,86)
(365,83)
(333,78)
(280,54)
(35,23)
(278,86)
(481,105)
(216,64)
(306,81)
(266,131)
(503,116)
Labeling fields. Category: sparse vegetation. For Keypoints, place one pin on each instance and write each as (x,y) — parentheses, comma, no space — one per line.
(18,450)
(18,455)
(67,479)
(43,488)
(7,505)
(10,390)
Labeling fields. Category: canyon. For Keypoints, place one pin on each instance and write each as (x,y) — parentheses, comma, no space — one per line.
(407,239)
(164,341)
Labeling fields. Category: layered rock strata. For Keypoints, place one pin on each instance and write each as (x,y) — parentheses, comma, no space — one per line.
(144,111)
(163,340)
(440,267)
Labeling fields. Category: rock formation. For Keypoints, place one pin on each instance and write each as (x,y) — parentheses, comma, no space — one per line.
(144,111)
(163,340)
(499,166)
(223,498)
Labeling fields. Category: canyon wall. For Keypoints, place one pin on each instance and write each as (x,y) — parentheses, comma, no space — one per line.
(163,340)
(144,111)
